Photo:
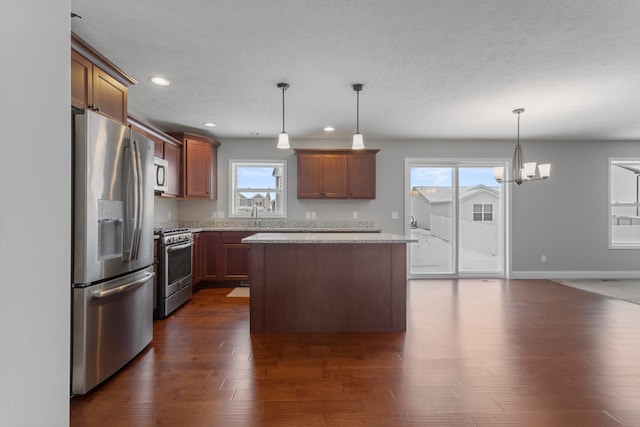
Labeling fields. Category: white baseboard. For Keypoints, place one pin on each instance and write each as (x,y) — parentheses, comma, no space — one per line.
(605,274)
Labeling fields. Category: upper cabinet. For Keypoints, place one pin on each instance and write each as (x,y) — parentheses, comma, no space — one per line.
(336,174)
(167,148)
(199,158)
(96,83)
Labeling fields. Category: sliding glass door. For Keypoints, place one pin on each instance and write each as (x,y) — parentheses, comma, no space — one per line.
(456,212)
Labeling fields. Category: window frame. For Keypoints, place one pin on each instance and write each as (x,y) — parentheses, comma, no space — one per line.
(485,215)
(234,164)
(613,205)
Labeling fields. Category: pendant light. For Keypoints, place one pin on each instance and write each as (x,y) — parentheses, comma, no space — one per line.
(358,143)
(522,172)
(283,138)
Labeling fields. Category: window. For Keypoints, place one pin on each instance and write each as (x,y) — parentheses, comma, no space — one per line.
(482,212)
(624,203)
(257,185)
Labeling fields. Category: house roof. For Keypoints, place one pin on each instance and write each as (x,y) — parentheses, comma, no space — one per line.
(436,194)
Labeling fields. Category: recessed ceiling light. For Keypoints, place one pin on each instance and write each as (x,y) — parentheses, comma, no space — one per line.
(160,81)
(329,129)
(254,133)
(210,124)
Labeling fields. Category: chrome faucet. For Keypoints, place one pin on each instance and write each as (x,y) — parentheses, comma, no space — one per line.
(255,213)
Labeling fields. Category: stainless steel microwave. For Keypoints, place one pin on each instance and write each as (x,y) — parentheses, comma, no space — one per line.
(161,183)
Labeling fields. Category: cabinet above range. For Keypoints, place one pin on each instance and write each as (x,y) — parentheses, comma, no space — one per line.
(336,174)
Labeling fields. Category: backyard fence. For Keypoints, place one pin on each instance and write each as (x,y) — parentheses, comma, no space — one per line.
(473,235)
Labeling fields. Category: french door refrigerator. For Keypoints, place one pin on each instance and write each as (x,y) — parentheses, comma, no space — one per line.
(112,289)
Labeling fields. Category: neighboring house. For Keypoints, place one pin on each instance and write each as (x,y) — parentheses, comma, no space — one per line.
(479,203)
(260,200)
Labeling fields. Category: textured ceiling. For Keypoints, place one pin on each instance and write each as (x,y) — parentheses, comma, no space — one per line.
(430,69)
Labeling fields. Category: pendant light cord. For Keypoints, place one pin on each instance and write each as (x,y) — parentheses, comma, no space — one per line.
(283,89)
(357,111)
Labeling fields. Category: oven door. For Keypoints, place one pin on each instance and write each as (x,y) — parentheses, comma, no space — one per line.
(177,267)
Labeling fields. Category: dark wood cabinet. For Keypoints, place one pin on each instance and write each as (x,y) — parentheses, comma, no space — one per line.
(197,259)
(199,160)
(336,174)
(362,175)
(96,83)
(236,259)
(210,255)
(322,176)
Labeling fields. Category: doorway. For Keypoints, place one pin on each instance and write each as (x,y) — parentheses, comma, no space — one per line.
(457,213)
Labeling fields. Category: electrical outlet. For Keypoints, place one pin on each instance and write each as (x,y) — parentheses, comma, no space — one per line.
(355,215)
(543,258)
(169,215)
(313,215)
(308,215)
(220,214)
(395,215)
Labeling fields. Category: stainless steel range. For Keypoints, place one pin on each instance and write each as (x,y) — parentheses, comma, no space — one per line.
(175,269)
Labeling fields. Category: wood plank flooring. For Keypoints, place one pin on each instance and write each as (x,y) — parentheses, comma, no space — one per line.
(476,353)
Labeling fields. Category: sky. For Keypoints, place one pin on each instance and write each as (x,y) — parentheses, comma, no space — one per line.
(256,177)
(443,176)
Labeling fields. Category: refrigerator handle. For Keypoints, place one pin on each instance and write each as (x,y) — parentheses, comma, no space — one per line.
(124,288)
(131,188)
(137,229)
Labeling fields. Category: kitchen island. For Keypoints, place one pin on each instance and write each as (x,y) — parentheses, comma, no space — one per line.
(328,282)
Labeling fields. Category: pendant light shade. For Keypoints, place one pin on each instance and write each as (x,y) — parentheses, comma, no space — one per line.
(283,138)
(358,141)
(283,141)
(522,172)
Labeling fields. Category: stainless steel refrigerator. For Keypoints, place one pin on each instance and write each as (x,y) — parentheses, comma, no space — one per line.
(112,290)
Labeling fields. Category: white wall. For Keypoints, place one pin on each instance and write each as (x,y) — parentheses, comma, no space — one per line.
(564,218)
(35,219)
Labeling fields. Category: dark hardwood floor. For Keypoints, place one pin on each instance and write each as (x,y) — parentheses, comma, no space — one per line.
(475,353)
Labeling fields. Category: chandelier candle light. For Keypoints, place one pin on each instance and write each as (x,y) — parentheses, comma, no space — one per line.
(358,143)
(522,172)
(283,138)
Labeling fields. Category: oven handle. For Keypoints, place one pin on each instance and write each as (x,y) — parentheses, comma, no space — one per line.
(123,288)
(178,247)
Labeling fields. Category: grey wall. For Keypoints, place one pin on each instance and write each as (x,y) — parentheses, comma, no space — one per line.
(564,218)
(35,222)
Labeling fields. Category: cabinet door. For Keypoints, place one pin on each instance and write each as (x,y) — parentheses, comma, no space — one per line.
(235,255)
(109,95)
(236,261)
(173,154)
(309,175)
(210,245)
(197,259)
(334,176)
(81,81)
(197,168)
(362,176)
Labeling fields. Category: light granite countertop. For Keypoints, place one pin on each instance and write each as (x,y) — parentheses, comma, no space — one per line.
(273,225)
(327,238)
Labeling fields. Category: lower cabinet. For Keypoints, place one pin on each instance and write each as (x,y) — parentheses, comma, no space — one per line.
(235,256)
(197,259)
(210,255)
(220,256)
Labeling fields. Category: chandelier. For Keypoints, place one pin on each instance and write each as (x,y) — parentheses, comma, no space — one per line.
(522,172)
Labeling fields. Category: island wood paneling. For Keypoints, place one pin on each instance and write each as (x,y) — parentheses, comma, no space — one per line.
(328,287)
